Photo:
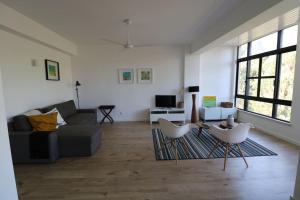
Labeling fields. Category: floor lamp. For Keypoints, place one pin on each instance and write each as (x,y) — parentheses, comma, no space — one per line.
(194,89)
(77,85)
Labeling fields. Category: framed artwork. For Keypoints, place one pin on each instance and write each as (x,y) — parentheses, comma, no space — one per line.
(145,75)
(126,76)
(52,70)
(209,101)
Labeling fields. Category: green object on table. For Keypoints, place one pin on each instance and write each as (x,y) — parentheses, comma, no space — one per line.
(209,101)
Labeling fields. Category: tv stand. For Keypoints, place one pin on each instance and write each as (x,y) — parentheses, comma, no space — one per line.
(171,114)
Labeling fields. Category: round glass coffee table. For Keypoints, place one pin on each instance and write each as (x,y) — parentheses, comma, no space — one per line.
(224,125)
(201,126)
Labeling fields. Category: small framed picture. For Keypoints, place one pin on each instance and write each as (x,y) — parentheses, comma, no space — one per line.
(52,70)
(126,76)
(145,75)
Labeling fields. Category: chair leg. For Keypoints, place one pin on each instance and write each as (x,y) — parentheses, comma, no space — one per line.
(215,147)
(225,158)
(186,147)
(162,144)
(176,151)
(238,145)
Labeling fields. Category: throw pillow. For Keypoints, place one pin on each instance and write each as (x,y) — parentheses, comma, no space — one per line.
(60,120)
(21,123)
(46,122)
(32,112)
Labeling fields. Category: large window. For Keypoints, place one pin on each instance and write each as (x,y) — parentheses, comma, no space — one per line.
(265,74)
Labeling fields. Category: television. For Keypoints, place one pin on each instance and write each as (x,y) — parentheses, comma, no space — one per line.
(165,101)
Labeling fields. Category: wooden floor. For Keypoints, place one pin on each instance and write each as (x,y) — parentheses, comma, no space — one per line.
(125,168)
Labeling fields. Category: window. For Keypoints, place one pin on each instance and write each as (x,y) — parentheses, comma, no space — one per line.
(264,44)
(243,51)
(265,74)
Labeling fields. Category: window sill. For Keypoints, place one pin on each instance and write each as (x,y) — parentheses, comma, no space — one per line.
(265,117)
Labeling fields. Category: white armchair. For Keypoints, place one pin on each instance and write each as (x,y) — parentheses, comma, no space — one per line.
(173,133)
(230,138)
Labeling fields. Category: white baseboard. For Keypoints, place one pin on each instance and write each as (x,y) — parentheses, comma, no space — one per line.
(289,140)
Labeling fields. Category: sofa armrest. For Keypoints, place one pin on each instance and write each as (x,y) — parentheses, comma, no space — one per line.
(19,144)
(20,147)
(86,110)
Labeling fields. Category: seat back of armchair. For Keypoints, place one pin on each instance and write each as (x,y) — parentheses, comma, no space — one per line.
(239,133)
(171,130)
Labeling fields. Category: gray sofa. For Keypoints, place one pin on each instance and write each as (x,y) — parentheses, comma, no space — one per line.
(81,136)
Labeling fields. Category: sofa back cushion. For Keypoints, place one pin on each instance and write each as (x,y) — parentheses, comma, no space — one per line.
(21,123)
(66,109)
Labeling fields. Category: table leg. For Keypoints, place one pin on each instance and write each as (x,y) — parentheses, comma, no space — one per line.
(200,131)
(109,117)
(106,116)
(103,113)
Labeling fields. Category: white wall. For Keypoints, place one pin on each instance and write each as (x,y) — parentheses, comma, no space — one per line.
(8,188)
(216,73)
(23,40)
(191,78)
(26,87)
(289,132)
(96,67)
(297,184)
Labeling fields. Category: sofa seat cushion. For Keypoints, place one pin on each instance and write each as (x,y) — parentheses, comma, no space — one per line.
(78,140)
(81,119)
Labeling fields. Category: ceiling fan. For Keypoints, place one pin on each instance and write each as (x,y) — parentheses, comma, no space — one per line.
(128,44)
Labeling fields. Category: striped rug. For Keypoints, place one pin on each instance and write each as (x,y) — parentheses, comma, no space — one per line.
(200,147)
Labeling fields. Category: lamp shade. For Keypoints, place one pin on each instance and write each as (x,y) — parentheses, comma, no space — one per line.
(194,89)
(77,83)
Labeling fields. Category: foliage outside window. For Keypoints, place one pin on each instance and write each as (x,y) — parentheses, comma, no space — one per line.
(265,74)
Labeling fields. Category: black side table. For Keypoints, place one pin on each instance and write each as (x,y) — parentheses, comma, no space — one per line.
(106,110)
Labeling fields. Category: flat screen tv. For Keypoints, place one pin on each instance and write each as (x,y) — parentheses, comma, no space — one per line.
(165,101)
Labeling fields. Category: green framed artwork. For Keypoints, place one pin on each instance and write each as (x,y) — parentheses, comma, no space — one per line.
(209,101)
(52,70)
(145,75)
(126,76)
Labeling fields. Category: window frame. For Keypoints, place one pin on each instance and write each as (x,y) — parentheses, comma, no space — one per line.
(275,100)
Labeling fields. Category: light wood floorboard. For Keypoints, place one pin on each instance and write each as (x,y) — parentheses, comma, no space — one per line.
(125,168)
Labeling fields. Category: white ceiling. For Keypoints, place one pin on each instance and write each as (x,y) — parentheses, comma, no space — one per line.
(280,22)
(155,22)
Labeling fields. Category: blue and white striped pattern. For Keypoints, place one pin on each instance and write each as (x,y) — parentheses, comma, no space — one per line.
(200,147)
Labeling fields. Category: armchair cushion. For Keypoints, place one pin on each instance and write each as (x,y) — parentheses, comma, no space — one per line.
(172,130)
(235,135)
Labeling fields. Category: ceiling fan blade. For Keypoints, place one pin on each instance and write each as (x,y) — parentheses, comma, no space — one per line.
(146,45)
(112,42)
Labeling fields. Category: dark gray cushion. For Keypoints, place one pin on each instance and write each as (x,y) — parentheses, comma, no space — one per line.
(82,119)
(66,109)
(46,109)
(78,140)
(21,123)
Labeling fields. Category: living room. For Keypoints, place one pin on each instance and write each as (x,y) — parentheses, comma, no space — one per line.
(99,52)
